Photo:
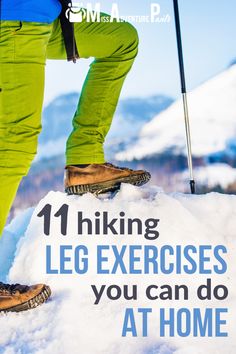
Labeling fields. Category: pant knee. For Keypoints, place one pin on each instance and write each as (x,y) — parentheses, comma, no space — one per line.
(18,148)
(132,37)
(132,33)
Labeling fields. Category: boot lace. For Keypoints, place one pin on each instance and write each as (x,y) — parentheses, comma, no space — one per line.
(11,289)
(118,167)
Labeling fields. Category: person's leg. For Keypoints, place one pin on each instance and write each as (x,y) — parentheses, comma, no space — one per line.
(114,46)
(22,62)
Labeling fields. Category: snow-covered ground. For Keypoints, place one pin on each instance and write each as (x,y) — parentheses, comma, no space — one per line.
(212,110)
(70,322)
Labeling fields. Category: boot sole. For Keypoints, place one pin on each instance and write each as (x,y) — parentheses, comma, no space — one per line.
(36,301)
(109,186)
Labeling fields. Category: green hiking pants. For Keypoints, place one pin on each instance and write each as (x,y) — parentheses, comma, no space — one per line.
(24,48)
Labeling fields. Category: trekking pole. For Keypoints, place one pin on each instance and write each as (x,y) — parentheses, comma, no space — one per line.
(184,94)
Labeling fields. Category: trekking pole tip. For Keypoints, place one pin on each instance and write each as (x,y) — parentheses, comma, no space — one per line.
(192,186)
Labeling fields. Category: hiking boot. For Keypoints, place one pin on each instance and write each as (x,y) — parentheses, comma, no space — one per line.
(101,178)
(16,297)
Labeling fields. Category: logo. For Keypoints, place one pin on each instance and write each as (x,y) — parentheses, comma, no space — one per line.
(75,13)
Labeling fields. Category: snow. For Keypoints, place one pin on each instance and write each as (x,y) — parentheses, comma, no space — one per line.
(218,174)
(212,111)
(10,239)
(70,322)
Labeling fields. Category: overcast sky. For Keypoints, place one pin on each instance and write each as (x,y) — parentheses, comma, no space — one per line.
(208,30)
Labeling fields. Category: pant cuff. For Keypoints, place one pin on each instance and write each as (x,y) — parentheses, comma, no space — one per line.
(77,160)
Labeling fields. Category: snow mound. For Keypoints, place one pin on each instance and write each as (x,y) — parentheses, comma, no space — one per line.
(70,322)
(10,239)
(212,110)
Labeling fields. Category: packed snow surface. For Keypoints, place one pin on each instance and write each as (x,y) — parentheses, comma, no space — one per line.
(70,322)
